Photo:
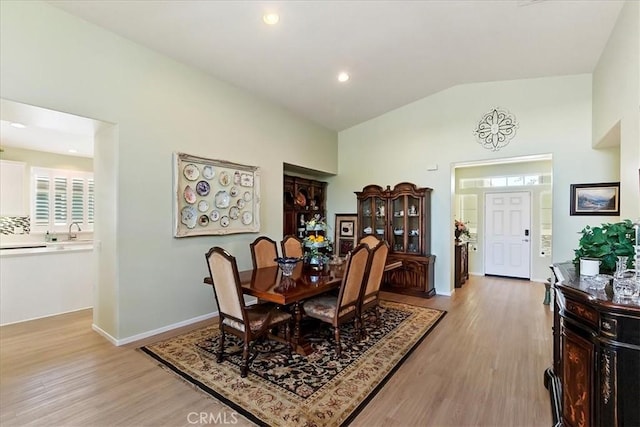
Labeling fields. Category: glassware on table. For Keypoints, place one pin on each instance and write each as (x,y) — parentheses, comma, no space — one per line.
(287,265)
(625,288)
(597,282)
(621,266)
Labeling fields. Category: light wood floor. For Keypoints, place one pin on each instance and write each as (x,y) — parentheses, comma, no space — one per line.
(482,366)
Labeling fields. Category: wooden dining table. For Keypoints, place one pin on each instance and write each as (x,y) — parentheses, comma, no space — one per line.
(268,284)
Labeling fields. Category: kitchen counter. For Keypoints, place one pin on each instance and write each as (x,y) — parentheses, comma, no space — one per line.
(40,248)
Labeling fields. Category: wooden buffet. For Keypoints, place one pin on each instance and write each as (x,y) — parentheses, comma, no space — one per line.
(402,216)
(595,378)
(302,198)
(461,265)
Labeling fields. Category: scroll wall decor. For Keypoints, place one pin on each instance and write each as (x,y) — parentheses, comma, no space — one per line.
(215,197)
(495,129)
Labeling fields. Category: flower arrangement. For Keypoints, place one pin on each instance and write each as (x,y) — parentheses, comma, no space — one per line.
(460,229)
(316,244)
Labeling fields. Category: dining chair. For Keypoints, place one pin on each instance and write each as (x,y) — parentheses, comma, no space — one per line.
(246,322)
(264,252)
(370,241)
(340,309)
(291,246)
(369,300)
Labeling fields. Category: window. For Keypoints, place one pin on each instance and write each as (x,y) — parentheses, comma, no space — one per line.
(61,197)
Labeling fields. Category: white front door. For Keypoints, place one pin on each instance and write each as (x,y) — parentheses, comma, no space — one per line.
(507,233)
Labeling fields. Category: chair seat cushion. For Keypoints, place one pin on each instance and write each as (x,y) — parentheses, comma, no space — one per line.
(258,315)
(369,299)
(324,308)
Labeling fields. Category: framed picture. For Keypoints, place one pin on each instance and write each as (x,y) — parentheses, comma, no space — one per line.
(595,199)
(214,197)
(345,233)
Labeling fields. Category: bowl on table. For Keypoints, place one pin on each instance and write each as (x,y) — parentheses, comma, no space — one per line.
(287,264)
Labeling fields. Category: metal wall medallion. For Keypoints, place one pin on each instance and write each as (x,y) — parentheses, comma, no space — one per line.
(495,129)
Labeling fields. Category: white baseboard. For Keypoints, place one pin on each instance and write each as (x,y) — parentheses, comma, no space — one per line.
(147,334)
(45,316)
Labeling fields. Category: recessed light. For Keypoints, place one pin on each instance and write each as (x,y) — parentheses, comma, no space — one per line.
(72,150)
(271,18)
(343,77)
(17,125)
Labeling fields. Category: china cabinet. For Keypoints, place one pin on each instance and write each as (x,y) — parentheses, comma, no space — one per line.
(596,352)
(302,198)
(402,216)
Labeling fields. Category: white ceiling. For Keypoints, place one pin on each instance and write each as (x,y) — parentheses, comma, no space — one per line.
(396,51)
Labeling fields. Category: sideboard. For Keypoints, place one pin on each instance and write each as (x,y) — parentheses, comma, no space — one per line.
(594,380)
(461,273)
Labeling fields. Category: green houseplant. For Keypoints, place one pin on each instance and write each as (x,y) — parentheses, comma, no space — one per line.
(606,243)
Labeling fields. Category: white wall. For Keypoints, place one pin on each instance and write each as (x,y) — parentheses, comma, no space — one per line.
(616,103)
(148,279)
(554,116)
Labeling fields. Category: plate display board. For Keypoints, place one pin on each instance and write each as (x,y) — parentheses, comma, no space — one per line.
(214,197)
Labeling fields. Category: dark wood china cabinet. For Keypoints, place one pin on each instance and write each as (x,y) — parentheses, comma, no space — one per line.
(595,377)
(402,216)
(302,198)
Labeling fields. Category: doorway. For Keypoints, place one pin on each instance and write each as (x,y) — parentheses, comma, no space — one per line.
(508,234)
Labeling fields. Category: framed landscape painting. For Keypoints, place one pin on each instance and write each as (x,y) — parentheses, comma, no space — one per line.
(595,199)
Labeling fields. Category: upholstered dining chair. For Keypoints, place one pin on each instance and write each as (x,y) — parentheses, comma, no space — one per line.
(340,309)
(370,291)
(291,246)
(264,251)
(370,240)
(246,322)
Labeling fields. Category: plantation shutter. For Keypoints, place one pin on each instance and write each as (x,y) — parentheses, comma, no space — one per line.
(60,200)
(41,209)
(77,200)
(91,205)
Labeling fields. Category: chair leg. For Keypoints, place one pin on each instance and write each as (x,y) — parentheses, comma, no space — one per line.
(245,359)
(287,337)
(338,346)
(221,347)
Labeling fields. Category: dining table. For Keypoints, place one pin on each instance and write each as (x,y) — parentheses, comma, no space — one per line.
(269,285)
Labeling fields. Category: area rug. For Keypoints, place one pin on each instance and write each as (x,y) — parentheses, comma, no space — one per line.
(313,390)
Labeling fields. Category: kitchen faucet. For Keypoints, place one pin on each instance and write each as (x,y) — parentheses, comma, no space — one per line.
(72,236)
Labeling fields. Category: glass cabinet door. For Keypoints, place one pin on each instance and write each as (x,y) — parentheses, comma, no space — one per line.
(413,221)
(398,226)
(381,218)
(367,222)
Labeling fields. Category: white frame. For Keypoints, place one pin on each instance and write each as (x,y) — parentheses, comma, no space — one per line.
(235,171)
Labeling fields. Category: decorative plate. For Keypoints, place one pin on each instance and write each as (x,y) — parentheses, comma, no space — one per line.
(203,206)
(203,188)
(234,212)
(208,172)
(191,172)
(215,215)
(224,179)
(189,195)
(240,203)
(224,221)
(301,200)
(188,216)
(203,220)
(222,199)
(247,196)
(247,217)
(233,191)
(236,177)
(246,180)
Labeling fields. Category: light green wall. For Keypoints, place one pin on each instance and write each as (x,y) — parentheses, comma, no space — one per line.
(148,279)
(554,115)
(616,97)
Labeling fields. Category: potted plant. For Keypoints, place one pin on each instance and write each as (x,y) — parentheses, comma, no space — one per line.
(606,243)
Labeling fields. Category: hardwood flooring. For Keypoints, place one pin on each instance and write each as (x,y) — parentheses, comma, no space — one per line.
(481,366)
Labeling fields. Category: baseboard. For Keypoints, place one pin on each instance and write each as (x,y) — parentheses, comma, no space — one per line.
(46,315)
(147,334)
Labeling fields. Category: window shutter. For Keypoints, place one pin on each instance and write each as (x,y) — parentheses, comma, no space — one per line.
(42,200)
(60,200)
(77,200)
(91,205)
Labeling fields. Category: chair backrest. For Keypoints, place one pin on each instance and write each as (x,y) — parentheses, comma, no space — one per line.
(376,270)
(264,251)
(371,241)
(226,283)
(291,246)
(355,273)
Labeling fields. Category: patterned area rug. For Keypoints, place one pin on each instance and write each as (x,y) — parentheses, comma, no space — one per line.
(316,390)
